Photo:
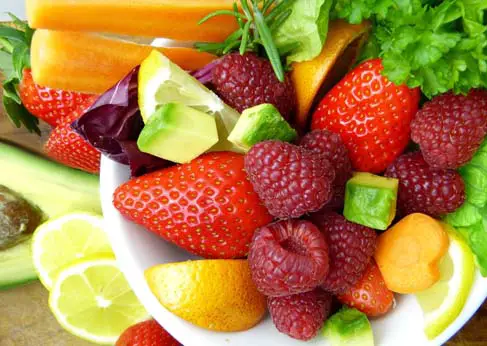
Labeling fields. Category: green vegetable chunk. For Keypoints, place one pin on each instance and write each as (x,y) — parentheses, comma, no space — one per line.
(304,32)
(16,266)
(349,327)
(370,200)
(258,124)
(178,133)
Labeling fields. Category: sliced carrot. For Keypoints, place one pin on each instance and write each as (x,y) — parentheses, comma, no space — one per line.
(408,254)
(93,63)
(312,79)
(154,18)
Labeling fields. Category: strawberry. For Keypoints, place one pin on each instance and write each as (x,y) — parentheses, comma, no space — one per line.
(371,114)
(67,147)
(50,105)
(370,295)
(147,333)
(207,207)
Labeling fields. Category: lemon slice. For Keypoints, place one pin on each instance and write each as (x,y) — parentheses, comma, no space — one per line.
(162,82)
(65,239)
(443,302)
(92,300)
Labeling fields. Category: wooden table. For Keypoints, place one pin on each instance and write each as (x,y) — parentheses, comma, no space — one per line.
(25,319)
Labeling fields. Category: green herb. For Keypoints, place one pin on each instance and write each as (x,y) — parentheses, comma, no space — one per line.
(258,22)
(14,57)
(435,45)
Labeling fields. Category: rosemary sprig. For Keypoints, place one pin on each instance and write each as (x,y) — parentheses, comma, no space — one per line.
(257,20)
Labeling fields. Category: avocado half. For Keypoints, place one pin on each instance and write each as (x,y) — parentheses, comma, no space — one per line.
(55,189)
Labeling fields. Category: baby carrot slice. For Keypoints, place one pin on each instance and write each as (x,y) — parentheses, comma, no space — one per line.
(175,19)
(92,63)
(408,254)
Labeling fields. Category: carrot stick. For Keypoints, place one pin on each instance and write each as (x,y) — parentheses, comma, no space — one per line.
(92,63)
(175,19)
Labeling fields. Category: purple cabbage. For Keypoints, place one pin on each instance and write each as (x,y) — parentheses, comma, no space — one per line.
(113,124)
(205,74)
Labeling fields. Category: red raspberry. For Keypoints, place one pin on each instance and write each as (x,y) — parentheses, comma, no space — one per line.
(290,180)
(147,333)
(450,128)
(288,257)
(331,147)
(243,81)
(351,246)
(423,189)
(301,315)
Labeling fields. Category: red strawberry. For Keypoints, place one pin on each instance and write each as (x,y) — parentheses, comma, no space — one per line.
(370,295)
(243,81)
(371,114)
(207,207)
(67,147)
(50,105)
(148,333)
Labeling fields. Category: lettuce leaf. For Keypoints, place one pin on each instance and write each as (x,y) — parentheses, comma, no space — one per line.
(476,237)
(306,25)
(435,45)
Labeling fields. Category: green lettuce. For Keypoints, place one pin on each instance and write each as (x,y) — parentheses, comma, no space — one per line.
(471,218)
(435,45)
(304,32)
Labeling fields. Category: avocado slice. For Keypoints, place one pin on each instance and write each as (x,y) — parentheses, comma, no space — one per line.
(54,188)
(370,200)
(178,133)
(260,123)
(16,266)
(349,327)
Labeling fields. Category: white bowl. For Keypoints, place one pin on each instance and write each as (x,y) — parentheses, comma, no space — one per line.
(137,249)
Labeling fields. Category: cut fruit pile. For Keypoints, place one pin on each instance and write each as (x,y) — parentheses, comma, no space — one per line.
(299,179)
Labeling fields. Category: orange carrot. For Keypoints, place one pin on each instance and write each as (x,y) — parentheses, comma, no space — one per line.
(175,19)
(317,76)
(408,254)
(92,63)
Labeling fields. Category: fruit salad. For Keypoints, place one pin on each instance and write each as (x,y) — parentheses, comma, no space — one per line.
(320,157)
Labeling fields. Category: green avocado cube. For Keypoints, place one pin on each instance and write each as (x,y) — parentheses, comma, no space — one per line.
(349,327)
(370,200)
(260,123)
(178,133)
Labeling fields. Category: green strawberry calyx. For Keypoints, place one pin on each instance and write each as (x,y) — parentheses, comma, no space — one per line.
(15,40)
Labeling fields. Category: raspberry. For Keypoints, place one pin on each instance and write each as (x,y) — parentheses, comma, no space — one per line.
(351,246)
(243,81)
(331,147)
(301,315)
(290,180)
(423,189)
(450,128)
(288,257)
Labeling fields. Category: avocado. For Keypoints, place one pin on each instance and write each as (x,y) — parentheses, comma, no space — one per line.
(55,189)
(349,327)
(16,266)
(178,133)
(18,219)
(370,200)
(260,123)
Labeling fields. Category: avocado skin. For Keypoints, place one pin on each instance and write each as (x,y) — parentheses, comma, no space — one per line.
(18,218)
(55,189)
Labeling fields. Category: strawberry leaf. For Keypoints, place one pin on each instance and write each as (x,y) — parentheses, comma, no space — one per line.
(20,58)
(10,90)
(9,33)
(20,116)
